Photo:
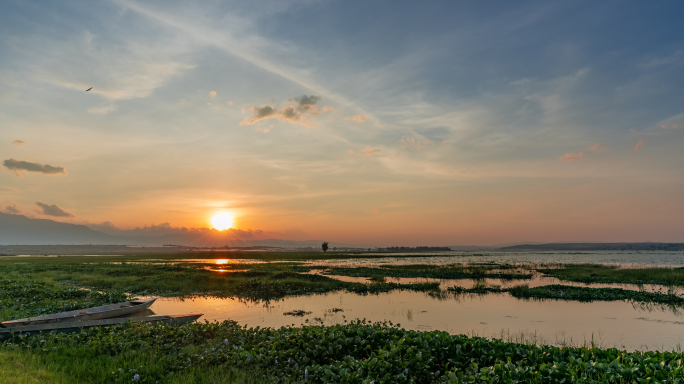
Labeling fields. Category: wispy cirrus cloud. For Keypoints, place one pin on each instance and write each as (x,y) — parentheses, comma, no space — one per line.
(133,79)
(639,146)
(18,142)
(52,210)
(251,48)
(18,166)
(672,125)
(598,147)
(357,118)
(103,110)
(368,152)
(113,70)
(411,143)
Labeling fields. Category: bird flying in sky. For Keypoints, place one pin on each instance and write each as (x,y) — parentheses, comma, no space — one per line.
(89,89)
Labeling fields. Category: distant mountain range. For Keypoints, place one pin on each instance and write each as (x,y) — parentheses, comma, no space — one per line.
(22,230)
(19,229)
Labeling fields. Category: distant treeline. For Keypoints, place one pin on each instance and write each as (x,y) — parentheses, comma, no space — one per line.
(414,249)
(598,247)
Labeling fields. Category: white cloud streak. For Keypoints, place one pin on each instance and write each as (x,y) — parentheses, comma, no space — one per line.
(135,79)
(103,110)
(241,48)
(598,147)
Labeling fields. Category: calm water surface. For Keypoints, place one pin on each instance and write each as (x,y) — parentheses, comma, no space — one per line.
(609,324)
(631,259)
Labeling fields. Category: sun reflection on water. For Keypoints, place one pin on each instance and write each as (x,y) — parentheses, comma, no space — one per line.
(224,262)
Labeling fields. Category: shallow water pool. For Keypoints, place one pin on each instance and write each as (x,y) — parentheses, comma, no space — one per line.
(609,324)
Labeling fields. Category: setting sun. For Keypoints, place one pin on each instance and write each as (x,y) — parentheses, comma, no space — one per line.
(222,221)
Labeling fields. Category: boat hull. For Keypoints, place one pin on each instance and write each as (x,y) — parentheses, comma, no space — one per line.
(79,325)
(87,314)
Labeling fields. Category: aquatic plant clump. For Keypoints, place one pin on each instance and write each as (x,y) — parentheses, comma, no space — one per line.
(566,292)
(494,271)
(569,292)
(598,273)
(25,297)
(360,352)
(297,313)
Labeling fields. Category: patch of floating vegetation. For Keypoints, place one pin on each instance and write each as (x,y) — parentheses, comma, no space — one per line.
(297,313)
(573,293)
(599,273)
(565,292)
(454,271)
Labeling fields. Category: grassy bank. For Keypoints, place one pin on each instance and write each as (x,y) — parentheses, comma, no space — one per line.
(597,273)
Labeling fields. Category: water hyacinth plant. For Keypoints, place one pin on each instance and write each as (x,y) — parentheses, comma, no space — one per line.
(360,352)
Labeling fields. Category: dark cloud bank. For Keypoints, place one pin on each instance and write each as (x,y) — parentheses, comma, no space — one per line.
(301,109)
(11,208)
(18,166)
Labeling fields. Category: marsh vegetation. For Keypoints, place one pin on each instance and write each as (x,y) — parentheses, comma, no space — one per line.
(599,273)
(357,351)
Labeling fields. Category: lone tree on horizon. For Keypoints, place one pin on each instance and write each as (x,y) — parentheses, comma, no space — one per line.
(324,246)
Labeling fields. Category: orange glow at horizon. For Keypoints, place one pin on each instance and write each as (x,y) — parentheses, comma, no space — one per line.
(222,221)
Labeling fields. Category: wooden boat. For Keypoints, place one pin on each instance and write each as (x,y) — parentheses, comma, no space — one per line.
(78,325)
(96,313)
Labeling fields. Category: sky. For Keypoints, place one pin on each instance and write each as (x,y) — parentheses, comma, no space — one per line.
(375,122)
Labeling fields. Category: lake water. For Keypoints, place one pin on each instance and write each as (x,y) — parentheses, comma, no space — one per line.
(631,259)
(616,323)
(608,324)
